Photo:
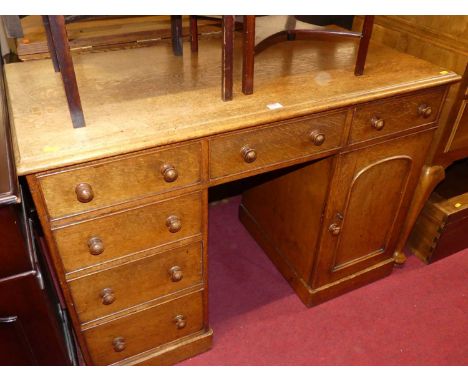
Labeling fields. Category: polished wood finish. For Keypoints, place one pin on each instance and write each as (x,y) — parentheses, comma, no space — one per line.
(442,41)
(387,117)
(147,329)
(117,91)
(311,173)
(119,180)
(364,45)
(135,282)
(129,231)
(261,147)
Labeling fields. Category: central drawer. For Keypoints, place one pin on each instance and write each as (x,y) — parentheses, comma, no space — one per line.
(125,232)
(109,291)
(265,146)
(145,330)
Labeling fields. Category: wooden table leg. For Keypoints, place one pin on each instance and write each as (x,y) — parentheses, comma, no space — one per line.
(364,45)
(65,64)
(227,58)
(193,34)
(50,43)
(176,34)
(248,54)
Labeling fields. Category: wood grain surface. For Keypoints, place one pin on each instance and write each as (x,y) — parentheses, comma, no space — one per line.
(141,98)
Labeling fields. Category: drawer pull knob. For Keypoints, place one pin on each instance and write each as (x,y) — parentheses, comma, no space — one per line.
(317,138)
(108,296)
(334,229)
(173,223)
(424,110)
(176,274)
(96,246)
(249,154)
(169,173)
(377,123)
(84,192)
(119,344)
(180,321)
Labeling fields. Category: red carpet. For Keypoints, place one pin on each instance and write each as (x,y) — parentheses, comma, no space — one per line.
(416,316)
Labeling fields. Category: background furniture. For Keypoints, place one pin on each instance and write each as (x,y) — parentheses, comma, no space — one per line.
(31,326)
(441,228)
(291,33)
(125,211)
(442,40)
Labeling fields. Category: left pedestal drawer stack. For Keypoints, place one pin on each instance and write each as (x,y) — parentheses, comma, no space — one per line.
(127,238)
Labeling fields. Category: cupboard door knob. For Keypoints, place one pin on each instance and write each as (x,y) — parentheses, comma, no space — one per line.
(180,321)
(377,123)
(176,274)
(249,154)
(334,229)
(173,223)
(317,138)
(84,192)
(119,344)
(108,296)
(96,246)
(424,110)
(169,173)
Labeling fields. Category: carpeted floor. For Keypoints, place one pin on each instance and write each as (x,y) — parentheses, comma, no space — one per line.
(416,316)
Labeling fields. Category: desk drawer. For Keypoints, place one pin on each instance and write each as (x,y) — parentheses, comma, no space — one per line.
(144,330)
(112,181)
(264,146)
(101,239)
(397,114)
(136,282)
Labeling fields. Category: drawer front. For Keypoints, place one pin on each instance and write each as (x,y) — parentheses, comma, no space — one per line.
(109,182)
(133,283)
(264,146)
(390,116)
(146,226)
(144,330)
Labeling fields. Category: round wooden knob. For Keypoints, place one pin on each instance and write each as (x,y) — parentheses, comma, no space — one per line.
(180,321)
(248,154)
(317,138)
(176,274)
(424,110)
(377,123)
(84,192)
(174,223)
(96,246)
(108,296)
(119,344)
(335,229)
(169,173)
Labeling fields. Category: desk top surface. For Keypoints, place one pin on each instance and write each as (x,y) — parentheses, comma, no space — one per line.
(141,98)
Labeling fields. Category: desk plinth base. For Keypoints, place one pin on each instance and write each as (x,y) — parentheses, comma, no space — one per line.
(173,353)
(309,296)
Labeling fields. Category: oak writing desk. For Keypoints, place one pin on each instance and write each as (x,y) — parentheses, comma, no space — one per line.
(123,201)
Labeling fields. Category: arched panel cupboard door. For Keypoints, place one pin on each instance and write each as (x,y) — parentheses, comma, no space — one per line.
(369,197)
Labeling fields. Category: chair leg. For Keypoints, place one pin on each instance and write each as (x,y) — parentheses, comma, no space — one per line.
(364,45)
(248,55)
(50,43)
(193,34)
(227,58)
(65,64)
(176,34)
